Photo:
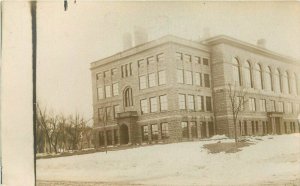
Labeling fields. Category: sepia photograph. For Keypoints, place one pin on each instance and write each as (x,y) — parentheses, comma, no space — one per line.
(151,93)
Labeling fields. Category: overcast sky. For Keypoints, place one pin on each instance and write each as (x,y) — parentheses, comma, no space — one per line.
(68,41)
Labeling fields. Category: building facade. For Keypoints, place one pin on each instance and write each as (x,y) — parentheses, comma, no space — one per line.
(172,89)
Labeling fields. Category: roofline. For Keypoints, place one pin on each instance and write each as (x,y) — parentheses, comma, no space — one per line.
(149,45)
(263,51)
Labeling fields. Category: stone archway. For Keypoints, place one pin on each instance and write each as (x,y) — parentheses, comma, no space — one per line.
(124,134)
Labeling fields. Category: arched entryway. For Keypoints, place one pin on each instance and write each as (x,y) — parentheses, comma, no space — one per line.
(124,136)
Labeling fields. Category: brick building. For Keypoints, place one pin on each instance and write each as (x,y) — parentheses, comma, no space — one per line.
(172,89)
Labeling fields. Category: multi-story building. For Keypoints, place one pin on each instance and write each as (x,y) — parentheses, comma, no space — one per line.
(172,89)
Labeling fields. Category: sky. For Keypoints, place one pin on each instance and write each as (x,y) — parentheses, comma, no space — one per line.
(68,41)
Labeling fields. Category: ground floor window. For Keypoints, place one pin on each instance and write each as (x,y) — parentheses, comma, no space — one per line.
(203,130)
(184,127)
(116,136)
(154,132)
(252,126)
(285,127)
(145,133)
(109,137)
(210,129)
(256,127)
(264,127)
(245,128)
(240,127)
(101,138)
(164,131)
(193,127)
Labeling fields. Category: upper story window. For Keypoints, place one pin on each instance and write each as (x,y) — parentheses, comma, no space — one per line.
(107,115)
(100,94)
(150,60)
(277,79)
(128,98)
(106,74)
(101,115)
(248,75)
(181,100)
(252,104)
(189,77)
(200,103)
(297,108)
(162,77)
(272,105)
(163,102)
(179,56)
(187,58)
(289,107)
(152,80)
(107,91)
(206,80)
(143,82)
(144,106)
(115,88)
(141,63)
(262,104)
(208,103)
(205,61)
(198,59)
(239,103)
(236,72)
(126,70)
(286,82)
(258,76)
(269,81)
(198,79)
(98,76)
(153,104)
(160,57)
(280,106)
(180,78)
(116,110)
(191,102)
(114,71)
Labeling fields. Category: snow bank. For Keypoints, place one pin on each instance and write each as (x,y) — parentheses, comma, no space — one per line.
(271,159)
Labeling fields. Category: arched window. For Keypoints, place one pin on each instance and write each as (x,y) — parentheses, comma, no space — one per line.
(258,76)
(248,75)
(127,97)
(269,82)
(286,82)
(236,72)
(277,79)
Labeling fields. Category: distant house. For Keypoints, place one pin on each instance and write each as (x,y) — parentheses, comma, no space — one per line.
(172,89)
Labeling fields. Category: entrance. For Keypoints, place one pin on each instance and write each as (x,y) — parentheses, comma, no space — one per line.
(124,137)
(277,125)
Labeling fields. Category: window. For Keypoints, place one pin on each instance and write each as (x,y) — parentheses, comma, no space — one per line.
(152,80)
(200,105)
(107,91)
(98,76)
(162,77)
(114,71)
(277,80)
(240,102)
(197,60)
(205,61)
(191,102)
(106,74)
(208,103)
(280,106)
(101,115)
(269,82)
(164,131)
(236,72)
(116,110)
(248,75)
(189,77)
(295,83)
(153,104)
(143,82)
(115,89)
(289,108)
(252,105)
(273,106)
(187,58)
(150,60)
(163,100)
(144,106)
(286,82)
(160,57)
(128,98)
(107,114)
(193,127)
(262,104)
(141,63)
(126,70)
(100,93)
(258,76)
(180,76)
(130,69)
(154,132)
(123,71)
(297,107)
(179,56)
(145,132)
(181,100)
(206,80)
(184,128)
(198,79)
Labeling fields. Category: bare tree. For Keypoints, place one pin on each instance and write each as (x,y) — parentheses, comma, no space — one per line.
(237,96)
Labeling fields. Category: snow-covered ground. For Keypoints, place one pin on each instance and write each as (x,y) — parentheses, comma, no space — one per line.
(272,159)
